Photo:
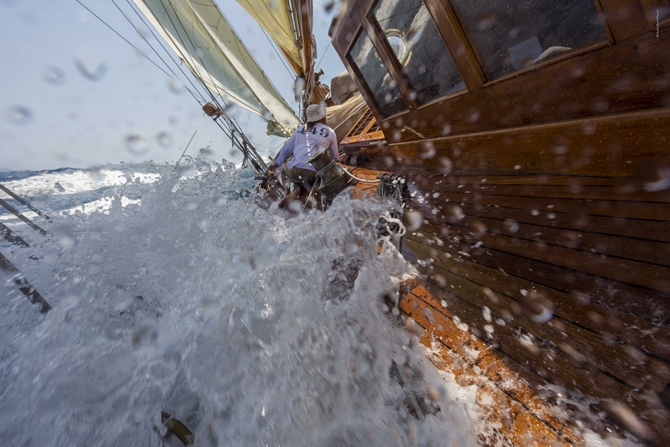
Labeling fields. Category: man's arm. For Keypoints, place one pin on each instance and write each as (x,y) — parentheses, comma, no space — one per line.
(333,148)
(284,153)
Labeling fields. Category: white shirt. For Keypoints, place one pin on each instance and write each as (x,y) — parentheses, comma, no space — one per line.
(303,144)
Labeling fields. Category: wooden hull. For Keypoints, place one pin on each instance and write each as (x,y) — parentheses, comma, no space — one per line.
(545,245)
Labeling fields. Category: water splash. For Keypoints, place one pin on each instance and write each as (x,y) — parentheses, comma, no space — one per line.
(240,328)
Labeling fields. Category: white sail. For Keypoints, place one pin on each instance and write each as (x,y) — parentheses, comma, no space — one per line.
(205,41)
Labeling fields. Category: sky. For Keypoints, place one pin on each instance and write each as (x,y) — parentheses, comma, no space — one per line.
(74,94)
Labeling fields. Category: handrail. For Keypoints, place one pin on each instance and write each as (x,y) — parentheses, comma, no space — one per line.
(20,200)
(22,283)
(29,222)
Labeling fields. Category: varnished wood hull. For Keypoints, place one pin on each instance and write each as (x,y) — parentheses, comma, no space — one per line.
(545,236)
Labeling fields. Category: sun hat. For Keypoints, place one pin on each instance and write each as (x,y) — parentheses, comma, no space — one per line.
(315,112)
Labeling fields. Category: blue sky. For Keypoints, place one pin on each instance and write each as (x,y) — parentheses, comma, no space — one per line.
(52,116)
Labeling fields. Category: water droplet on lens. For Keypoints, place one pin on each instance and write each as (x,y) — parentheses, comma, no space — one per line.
(426,149)
(64,235)
(145,335)
(206,153)
(628,418)
(454,212)
(137,145)
(510,226)
(88,72)
(294,206)
(176,86)
(53,75)
(165,140)
(538,307)
(19,116)
(413,220)
(230,110)
(185,171)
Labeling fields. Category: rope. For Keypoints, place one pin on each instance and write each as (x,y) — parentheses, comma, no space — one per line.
(360,179)
(389,225)
(309,196)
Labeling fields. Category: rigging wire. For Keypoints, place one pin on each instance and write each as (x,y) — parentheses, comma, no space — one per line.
(322,56)
(150,28)
(192,65)
(245,146)
(281,58)
(126,40)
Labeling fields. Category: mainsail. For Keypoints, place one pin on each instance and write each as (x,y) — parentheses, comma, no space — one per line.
(204,40)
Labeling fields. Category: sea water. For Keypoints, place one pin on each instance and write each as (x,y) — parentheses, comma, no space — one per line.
(173,291)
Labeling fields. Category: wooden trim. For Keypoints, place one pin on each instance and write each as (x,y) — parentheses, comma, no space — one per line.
(603,21)
(391,63)
(650,7)
(626,18)
(361,83)
(628,76)
(457,43)
(349,26)
(624,140)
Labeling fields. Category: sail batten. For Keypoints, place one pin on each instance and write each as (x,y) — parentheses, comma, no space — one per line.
(205,41)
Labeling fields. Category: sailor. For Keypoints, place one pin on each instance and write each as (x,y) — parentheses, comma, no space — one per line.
(306,141)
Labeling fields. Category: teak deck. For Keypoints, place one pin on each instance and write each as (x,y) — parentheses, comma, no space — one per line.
(553,199)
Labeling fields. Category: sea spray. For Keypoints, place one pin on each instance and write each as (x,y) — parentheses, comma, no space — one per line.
(205,306)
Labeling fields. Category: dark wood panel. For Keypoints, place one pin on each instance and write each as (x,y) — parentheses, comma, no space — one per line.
(348,25)
(553,192)
(642,274)
(619,209)
(631,228)
(635,249)
(628,76)
(613,325)
(486,178)
(585,347)
(638,301)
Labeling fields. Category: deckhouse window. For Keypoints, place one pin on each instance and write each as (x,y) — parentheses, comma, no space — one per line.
(419,48)
(512,35)
(379,82)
